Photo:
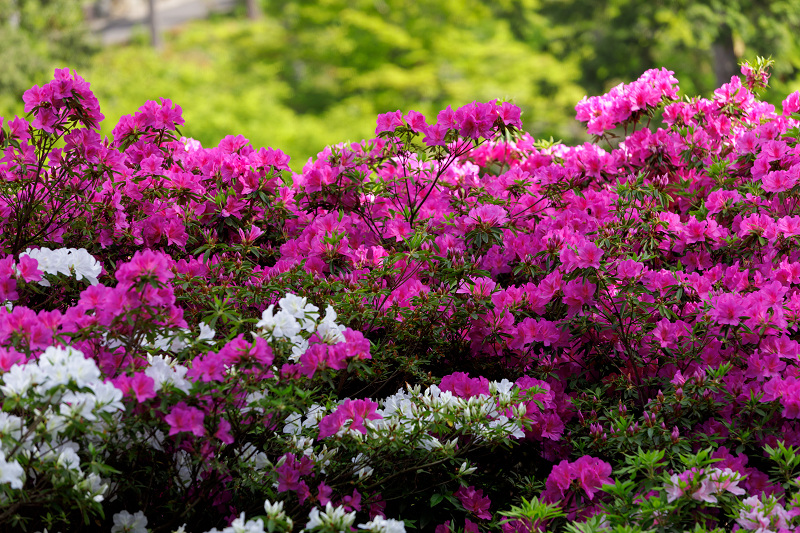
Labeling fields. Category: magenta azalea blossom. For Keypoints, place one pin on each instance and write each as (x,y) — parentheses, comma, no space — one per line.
(728,309)
(474,501)
(350,415)
(183,418)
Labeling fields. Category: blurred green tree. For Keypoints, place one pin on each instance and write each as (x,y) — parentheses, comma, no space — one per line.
(36,36)
(430,53)
(701,40)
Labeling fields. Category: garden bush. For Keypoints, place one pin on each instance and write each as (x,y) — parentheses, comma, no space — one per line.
(449,327)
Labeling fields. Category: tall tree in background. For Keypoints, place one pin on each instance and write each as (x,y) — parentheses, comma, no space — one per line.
(152,23)
(701,40)
(253,9)
(739,29)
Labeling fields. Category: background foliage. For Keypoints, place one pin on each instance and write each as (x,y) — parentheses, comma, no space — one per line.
(311,73)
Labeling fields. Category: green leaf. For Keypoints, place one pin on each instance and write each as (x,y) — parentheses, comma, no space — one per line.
(436,499)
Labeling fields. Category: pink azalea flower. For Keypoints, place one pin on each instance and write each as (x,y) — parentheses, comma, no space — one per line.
(488,215)
(629,268)
(350,414)
(223,432)
(183,418)
(510,114)
(416,121)
(589,255)
(435,135)
(142,386)
(443,528)
(10,357)
(592,473)
(28,269)
(324,493)
(389,121)
(578,293)
(470,526)
(789,226)
(728,308)
(778,181)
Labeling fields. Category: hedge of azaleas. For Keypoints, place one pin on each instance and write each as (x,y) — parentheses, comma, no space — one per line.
(450,327)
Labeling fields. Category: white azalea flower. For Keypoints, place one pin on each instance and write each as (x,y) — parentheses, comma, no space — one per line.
(11,472)
(206,333)
(241,526)
(124,522)
(334,518)
(164,371)
(298,307)
(84,265)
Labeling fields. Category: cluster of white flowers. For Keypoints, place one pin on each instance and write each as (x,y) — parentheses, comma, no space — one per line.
(408,411)
(276,513)
(361,468)
(165,371)
(66,261)
(331,519)
(383,525)
(61,387)
(296,321)
(336,519)
(240,525)
(58,366)
(275,516)
(295,423)
(411,415)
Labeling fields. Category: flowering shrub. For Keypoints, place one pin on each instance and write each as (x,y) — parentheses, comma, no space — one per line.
(516,335)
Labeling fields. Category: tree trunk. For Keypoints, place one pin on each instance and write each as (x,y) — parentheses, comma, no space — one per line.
(152,22)
(253,9)
(724,56)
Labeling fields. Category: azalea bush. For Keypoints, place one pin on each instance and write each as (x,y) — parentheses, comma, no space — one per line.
(449,327)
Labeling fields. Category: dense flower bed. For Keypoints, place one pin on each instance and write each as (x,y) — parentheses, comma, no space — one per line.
(451,326)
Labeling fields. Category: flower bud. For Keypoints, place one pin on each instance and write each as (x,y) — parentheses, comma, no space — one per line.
(466,469)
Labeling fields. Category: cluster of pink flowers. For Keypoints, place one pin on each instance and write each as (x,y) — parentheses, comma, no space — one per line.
(703,485)
(587,473)
(66,98)
(604,113)
(351,416)
(472,121)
